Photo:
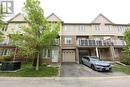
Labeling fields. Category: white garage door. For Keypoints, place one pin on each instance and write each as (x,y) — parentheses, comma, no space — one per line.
(68,56)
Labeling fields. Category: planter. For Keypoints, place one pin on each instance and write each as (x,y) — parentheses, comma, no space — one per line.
(10,66)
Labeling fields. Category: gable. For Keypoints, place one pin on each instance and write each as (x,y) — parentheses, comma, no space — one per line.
(19,17)
(53,17)
(101,19)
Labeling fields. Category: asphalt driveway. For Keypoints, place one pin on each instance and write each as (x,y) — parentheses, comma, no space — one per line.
(79,70)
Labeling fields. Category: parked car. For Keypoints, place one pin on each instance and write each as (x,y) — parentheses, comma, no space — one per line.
(96,64)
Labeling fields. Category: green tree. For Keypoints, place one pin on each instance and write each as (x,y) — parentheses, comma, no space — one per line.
(1,26)
(127,40)
(125,57)
(39,35)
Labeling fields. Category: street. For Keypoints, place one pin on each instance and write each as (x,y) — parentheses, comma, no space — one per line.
(117,81)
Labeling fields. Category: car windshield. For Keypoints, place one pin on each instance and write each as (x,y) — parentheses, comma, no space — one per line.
(95,59)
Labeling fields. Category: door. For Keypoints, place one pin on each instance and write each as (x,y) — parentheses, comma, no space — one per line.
(54,55)
(68,56)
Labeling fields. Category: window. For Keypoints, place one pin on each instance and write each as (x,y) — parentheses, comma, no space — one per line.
(5,52)
(81,28)
(86,58)
(4,28)
(68,40)
(66,28)
(120,28)
(97,27)
(17,27)
(46,53)
(108,27)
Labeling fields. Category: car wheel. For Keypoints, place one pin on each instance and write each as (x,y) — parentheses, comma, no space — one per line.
(93,67)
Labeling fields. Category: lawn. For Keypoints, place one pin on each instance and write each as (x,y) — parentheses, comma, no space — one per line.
(28,71)
(121,68)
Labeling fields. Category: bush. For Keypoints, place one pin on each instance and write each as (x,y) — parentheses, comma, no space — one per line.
(7,57)
(1,58)
(125,58)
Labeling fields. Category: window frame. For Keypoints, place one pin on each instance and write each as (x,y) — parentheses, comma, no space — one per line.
(66,28)
(81,28)
(97,27)
(68,40)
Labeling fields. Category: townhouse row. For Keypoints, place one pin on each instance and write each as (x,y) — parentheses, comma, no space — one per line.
(101,38)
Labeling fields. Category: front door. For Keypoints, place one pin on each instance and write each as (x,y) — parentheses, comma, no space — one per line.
(54,55)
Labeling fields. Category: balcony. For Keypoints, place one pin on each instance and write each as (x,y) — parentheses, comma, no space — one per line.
(5,43)
(90,42)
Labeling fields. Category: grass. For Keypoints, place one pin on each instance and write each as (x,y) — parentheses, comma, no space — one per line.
(28,71)
(121,68)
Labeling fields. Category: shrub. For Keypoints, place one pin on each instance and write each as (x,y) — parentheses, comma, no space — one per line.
(1,58)
(7,57)
(125,58)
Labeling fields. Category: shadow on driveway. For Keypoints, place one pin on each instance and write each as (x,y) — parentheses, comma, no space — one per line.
(79,70)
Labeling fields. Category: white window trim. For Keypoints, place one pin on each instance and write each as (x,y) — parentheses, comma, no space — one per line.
(68,40)
(120,28)
(5,52)
(108,27)
(81,28)
(97,27)
(66,28)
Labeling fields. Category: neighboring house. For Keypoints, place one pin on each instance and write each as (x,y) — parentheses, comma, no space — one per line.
(13,26)
(101,38)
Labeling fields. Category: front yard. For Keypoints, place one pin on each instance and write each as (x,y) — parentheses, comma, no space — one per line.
(121,68)
(28,71)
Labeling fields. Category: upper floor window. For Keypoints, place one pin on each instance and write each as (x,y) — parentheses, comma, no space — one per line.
(66,28)
(68,40)
(108,27)
(81,28)
(97,27)
(17,27)
(120,28)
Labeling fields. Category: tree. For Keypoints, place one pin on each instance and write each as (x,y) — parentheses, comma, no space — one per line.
(38,35)
(125,57)
(1,26)
(127,40)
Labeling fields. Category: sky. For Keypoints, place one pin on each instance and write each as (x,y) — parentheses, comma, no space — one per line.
(84,11)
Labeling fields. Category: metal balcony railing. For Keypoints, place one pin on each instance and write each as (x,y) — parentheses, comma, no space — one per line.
(90,42)
(5,43)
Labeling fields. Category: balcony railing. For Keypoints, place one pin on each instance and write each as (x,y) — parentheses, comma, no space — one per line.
(90,42)
(5,43)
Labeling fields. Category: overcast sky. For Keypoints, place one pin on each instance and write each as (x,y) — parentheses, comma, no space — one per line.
(118,11)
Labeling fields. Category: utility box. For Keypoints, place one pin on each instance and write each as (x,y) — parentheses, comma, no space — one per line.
(10,66)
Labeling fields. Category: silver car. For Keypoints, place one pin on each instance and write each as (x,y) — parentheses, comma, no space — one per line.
(96,64)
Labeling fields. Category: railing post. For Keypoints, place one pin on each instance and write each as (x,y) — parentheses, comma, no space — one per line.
(97,53)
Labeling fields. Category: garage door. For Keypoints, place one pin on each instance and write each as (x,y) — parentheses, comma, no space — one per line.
(68,56)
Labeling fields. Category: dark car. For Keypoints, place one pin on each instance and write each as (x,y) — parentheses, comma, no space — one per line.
(96,64)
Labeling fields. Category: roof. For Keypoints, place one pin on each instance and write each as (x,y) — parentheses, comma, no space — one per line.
(103,17)
(16,17)
(81,23)
(52,14)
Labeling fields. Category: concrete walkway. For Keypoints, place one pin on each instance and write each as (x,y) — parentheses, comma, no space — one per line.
(79,70)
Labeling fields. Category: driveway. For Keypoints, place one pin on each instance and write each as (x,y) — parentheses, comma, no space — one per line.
(79,70)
